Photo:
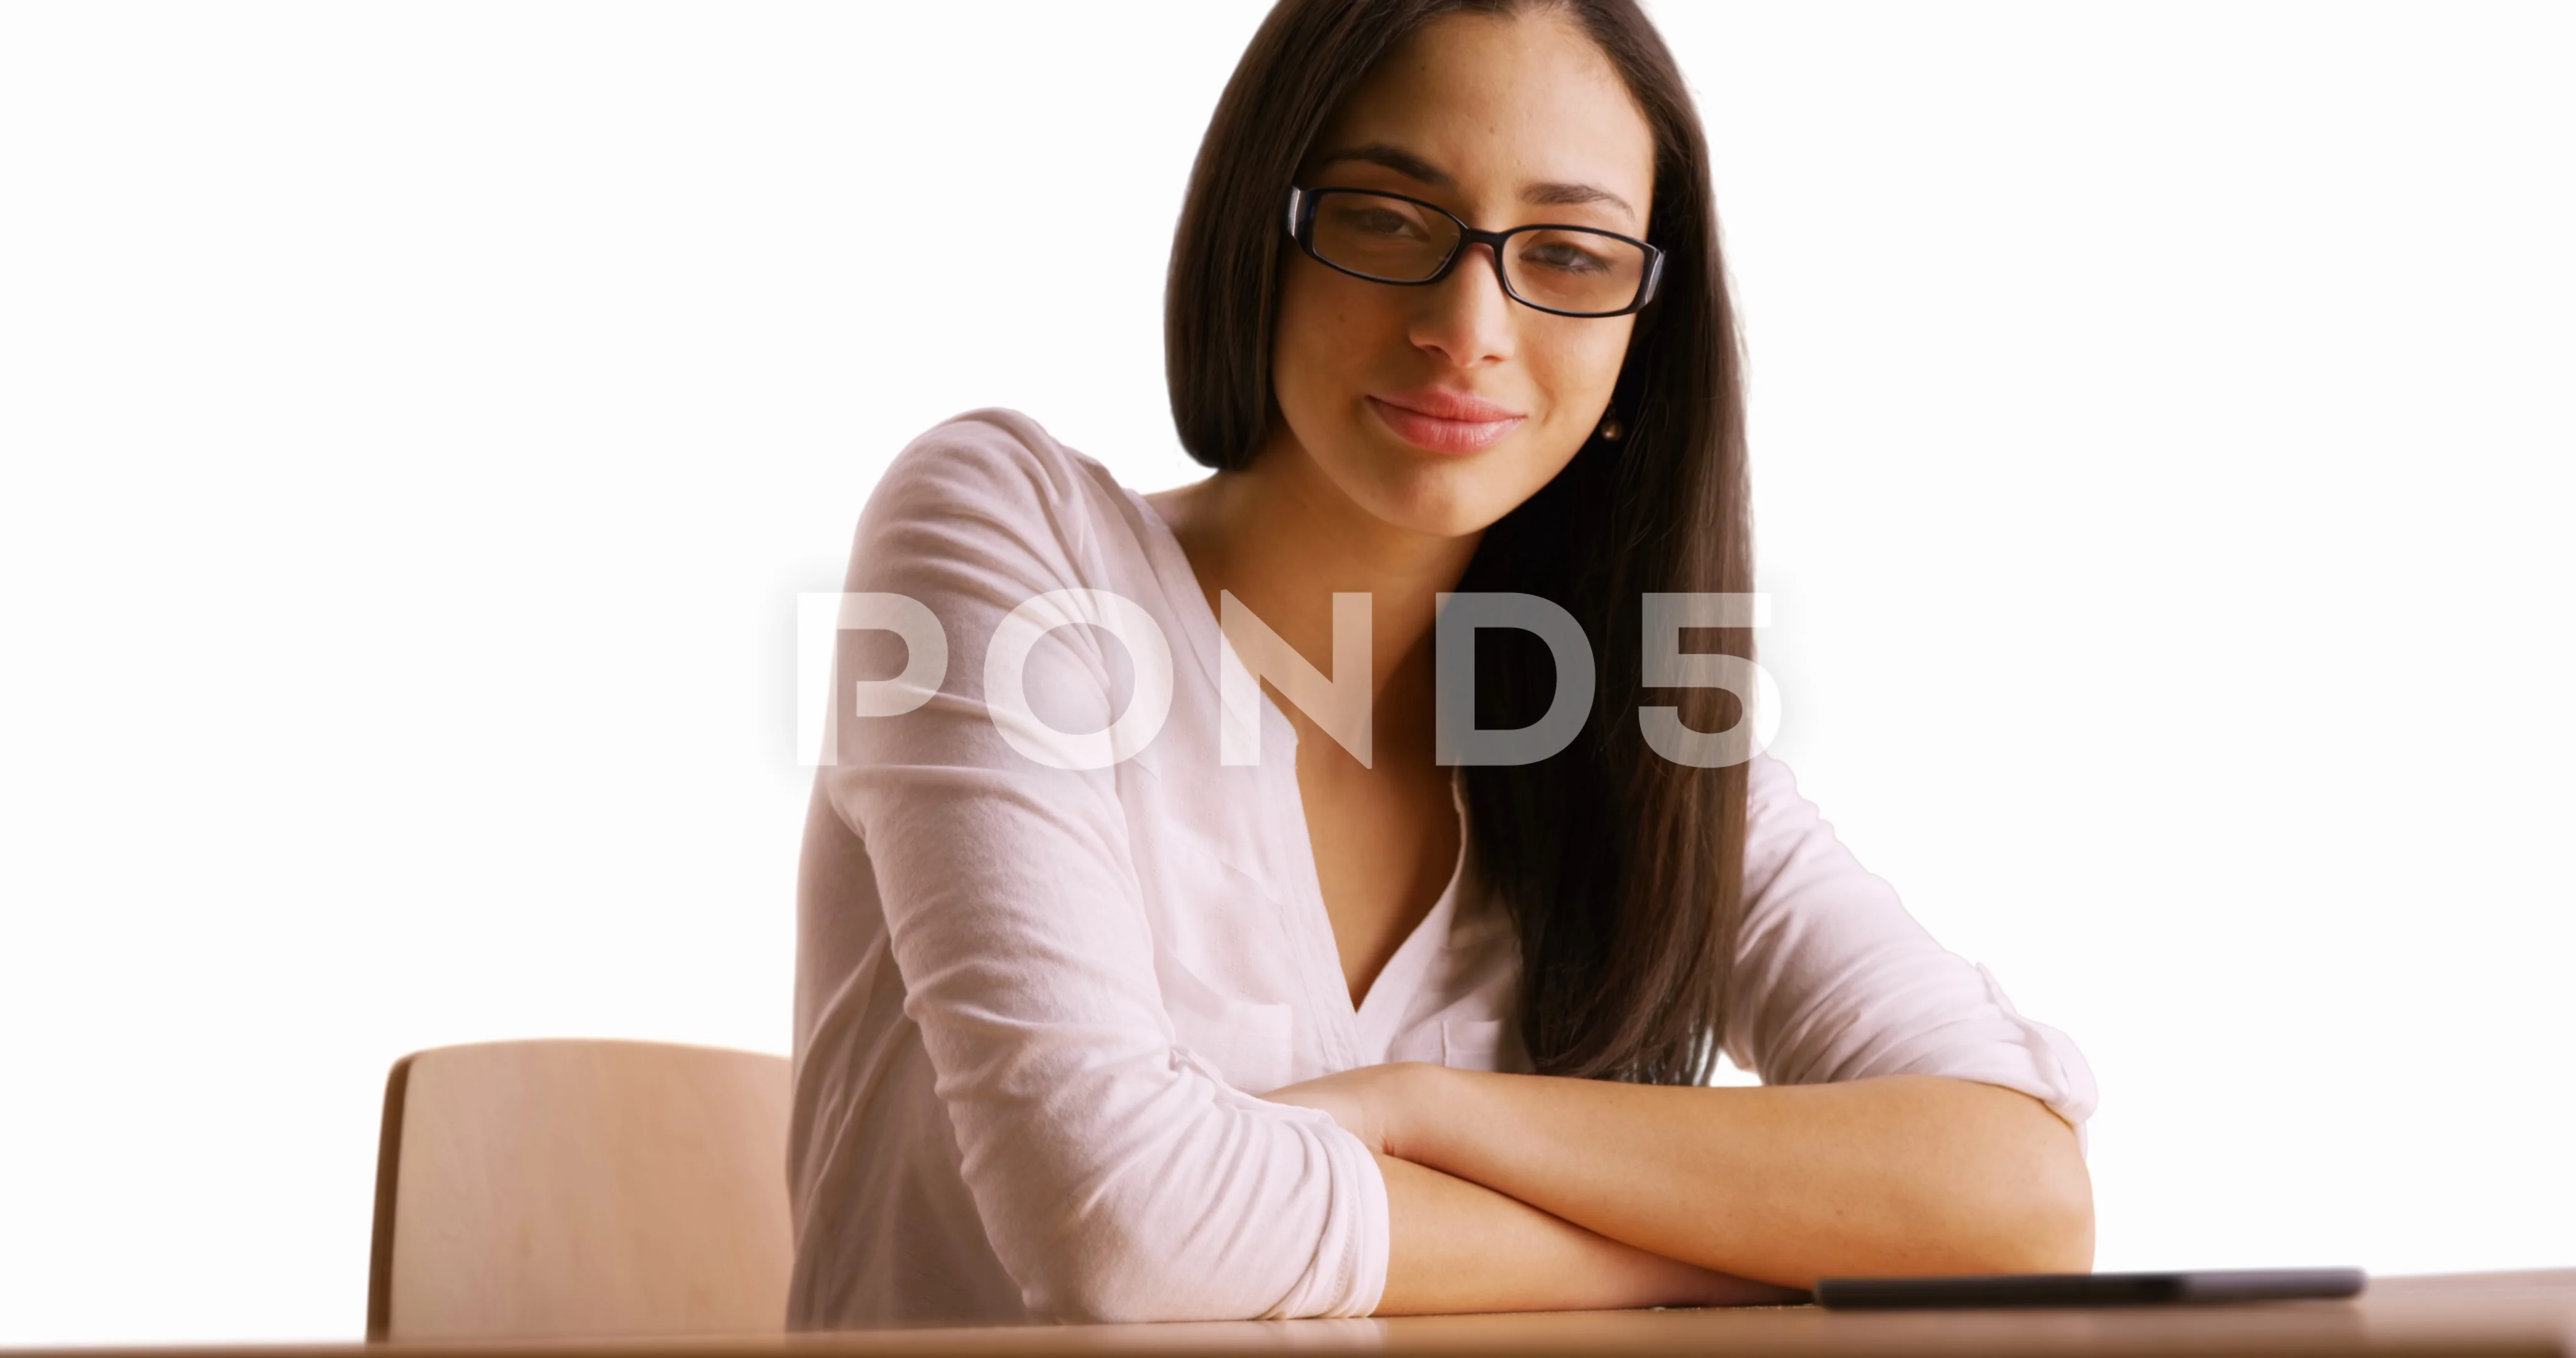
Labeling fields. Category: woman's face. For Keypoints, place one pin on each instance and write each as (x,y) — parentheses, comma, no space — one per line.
(1440,408)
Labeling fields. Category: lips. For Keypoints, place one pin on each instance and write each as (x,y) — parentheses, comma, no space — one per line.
(1444,421)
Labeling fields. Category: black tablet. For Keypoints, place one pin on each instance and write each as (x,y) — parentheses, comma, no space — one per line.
(2092,1289)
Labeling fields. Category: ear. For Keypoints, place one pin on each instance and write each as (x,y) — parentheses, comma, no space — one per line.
(1628,394)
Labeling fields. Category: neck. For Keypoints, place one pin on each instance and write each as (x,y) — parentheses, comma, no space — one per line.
(1283,539)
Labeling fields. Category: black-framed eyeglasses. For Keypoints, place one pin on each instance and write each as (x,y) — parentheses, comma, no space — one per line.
(1389,238)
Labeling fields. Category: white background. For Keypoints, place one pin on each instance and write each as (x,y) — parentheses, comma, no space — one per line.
(419,421)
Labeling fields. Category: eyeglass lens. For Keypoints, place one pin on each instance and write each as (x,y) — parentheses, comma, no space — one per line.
(1561,268)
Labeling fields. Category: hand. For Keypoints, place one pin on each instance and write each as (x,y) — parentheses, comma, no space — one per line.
(1374,1103)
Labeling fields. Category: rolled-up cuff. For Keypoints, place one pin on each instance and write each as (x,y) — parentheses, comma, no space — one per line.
(1373,1232)
(2064,1078)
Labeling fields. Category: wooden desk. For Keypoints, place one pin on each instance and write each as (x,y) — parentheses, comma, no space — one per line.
(2469,1314)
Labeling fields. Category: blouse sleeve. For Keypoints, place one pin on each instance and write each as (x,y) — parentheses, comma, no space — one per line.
(1117,1177)
(1833,980)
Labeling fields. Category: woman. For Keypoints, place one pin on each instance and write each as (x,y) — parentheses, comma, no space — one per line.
(1301,1006)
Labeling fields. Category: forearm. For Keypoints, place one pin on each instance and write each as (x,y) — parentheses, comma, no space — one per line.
(1459,1246)
(1900,1175)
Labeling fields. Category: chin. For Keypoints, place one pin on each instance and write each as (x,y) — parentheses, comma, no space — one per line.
(1445,495)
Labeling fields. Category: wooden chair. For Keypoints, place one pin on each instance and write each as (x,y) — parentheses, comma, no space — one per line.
(532,1189)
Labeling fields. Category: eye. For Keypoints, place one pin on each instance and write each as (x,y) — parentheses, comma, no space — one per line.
(1366,220)
(1564,254)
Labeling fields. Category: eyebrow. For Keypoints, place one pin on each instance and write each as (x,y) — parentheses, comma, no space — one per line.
(1415,168)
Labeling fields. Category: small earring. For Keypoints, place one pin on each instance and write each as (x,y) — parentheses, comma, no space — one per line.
(1610,427)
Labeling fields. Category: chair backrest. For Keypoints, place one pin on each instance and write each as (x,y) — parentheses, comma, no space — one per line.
(532,1189)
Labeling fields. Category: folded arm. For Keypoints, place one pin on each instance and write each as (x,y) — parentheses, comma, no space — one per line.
(1894,1175)
(1460,1246)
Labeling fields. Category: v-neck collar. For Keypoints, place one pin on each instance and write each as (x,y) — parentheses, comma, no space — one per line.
(1361,1033)
(1410,970)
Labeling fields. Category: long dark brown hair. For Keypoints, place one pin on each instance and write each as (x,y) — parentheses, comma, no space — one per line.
(1622,871)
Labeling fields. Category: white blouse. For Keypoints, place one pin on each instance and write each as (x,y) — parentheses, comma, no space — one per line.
(1034,1004)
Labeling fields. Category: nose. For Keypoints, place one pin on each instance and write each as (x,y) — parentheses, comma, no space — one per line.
(1466,318)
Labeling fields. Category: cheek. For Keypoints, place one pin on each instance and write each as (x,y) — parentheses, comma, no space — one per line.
(1324,338)
(1584,367)
(1579,369)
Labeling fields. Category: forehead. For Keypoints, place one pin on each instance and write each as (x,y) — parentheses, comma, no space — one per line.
(1497,102)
